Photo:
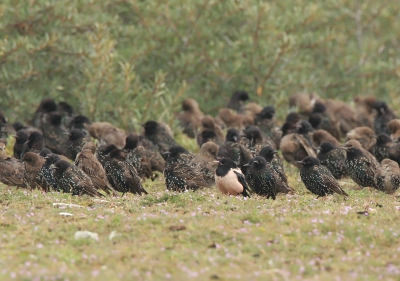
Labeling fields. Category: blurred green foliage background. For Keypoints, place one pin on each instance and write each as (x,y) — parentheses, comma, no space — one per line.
(132,60)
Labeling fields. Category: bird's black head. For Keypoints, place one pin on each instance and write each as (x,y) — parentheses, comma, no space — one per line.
(31,158)
(315,119)
(54,118)
(304,128)
(35,139)
(381,107)
(353,152)
(292,118)
(75,135)
(208,134)
(131,141)
(66,108)
(117,154)
(21,137)
(253,134)
(18,126)
(383,139)
(106,149)
(258,162)
(268,112)
(309,161)
(326,146)
(47,105)
(241,95)
(319,107)
(45,152)
(61,166)
(227,162)
(52,159)
(150,127)
(267,153)
(174,151)
(232,135)
(79,121)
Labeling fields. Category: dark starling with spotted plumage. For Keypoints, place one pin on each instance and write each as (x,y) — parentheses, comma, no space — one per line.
(34,144)
(11,169)
(254,140)
(123,175)
(180,177)
(333,158)
(318,179)
(21,137)
(71,179)
(152,153)
(179,154)
(137,155)
(47,172)
(231,148)
(262,178)
(229,179)
(387,178)
(237,101)
(88,163)
(383,117)
(382,147)
(290,125)
(33,164)
(205,160)
(76,140)
(360,167)
(155,133)
(81,122)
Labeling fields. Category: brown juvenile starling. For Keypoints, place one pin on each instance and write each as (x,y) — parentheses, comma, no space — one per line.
(252,109)
(123,174)
(344,114)
(360,167)
(87,162)
(138,156)
(261,178)
(318,179)
(11,170)
(304,102)
(205,160)
(34,144)
(158,135)
(71,179)
(107,133)
(364,135)
(33,164)
(382,147)
(296,146)
(190,118)
(229,179)
(208,123)
(383,117)
(394,129)
(320,136)
(237,101)
(76,140)
(233,120)
(333,158)
(20,139)
(364,110)
(387,178)
(394,152)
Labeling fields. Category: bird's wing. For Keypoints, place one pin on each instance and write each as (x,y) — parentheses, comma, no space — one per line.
(330,181)
(303,142)
(242,180)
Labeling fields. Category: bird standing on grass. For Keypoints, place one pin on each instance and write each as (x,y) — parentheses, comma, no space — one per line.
(229,179)
(333,158)
(387,178)
(318,179)
(33,164)
(11,170)
(261,178)
(205,160)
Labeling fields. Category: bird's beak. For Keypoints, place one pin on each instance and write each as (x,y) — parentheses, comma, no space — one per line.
(275,151)
(66,133)
(217,162)
(166,153)
(255,161)
(26,142)
(235,138)
(247,165)
(299,162)
(46,157)
(15,136)
(375,137)
(53,167)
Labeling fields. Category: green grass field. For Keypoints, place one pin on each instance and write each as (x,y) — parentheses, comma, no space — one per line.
(200,236)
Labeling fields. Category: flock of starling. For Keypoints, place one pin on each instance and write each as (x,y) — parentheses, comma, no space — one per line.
(62,151)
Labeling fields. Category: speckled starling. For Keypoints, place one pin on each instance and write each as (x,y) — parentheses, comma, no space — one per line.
(382,147)
(205,160)
(333,158)
(383,117)
(318,179)
(178,154)
(11,170)
(21,138)
(237,101)
(387,178)
(229,179)
(76,140)
(231,148)
(261,178)
(34,144)
(87,162)
(122,175)
(47,172)
(32,179)
(156,133)
(71,179)
(360,167)
(137,155)
(180,177)
(157,161)
(320,136)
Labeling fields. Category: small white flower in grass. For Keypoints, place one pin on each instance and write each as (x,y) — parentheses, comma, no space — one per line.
(113,234)
(64,214)
(86,234)
(63,205)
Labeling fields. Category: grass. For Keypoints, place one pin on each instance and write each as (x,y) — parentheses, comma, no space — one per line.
(200,236)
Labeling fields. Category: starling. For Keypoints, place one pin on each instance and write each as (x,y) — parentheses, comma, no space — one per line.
(107,133)
(47,105)
(208,123)
(357,144)
(290,125)
(237,100)
(265,121)
(158,135)
(45,152)
(233,149)
(66,111)
(180,177)
(71,179)
(81,122)
(320,118)
(138,156)
(318,179)
(229,179)
(364,135)
(233,120)
(382,147)
(29,129)
(383,117)
(47,172)
(320,136)
(261,178)
(252,109)
(207,135)
(34,144)
(206,161)
(32,179)
(360,166)
(273,160)
(296,146)
(254,140)
(190,118)
(387,178)
(333,158)
(20,139)
(157,161)
(123,175)
(394,129)
(5,128)
(178,154)
(364,110)
(304,102)
(394,152)
(11,170)
(76,140)
(54,133)
(87,162)
(344,114)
